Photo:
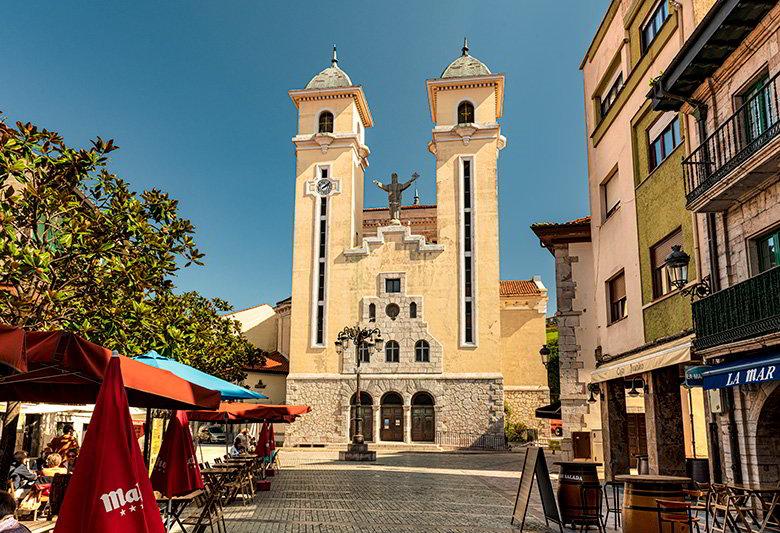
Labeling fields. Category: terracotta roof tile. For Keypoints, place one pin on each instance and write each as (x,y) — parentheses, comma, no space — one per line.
(576,221)
(518,287)
(275,362)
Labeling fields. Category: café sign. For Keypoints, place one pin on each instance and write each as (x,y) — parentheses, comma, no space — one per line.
(742,373)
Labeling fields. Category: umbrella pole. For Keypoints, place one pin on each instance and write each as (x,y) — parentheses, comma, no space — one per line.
(168,520)
(148,436)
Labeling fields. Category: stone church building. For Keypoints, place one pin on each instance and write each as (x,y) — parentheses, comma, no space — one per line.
(459,342)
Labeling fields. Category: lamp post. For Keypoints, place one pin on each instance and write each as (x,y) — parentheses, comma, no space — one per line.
(677,262)
(544,352)
(358,336)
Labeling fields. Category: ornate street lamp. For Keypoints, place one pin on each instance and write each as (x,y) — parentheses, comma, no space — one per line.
(358,336)
(593,389)
(545,353)
(677,265)
(633,392)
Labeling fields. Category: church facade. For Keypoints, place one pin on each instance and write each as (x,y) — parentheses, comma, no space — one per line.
(460,344)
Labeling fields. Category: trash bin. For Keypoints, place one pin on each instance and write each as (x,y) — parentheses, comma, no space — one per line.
(698,469)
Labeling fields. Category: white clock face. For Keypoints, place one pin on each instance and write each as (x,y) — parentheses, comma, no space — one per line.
(324,186)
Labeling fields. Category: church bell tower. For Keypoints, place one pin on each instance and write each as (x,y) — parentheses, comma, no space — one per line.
(331,158)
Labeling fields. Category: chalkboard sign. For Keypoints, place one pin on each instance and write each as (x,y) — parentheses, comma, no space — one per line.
(535,466)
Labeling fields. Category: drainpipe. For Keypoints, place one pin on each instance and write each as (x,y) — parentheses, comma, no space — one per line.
(736,457)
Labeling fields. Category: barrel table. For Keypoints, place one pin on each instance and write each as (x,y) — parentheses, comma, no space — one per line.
(639,507)
(573,475)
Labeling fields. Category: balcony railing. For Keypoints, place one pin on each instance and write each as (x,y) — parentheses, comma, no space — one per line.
(752,126)
(744,311)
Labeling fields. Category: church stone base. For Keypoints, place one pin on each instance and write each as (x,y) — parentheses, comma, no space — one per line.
(523,402)
(468,408)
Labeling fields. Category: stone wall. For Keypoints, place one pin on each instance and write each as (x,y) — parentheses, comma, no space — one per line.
(523,402)
(467,407)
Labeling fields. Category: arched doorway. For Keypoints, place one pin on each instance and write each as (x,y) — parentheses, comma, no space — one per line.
(367,414)
(392,417)
(423,418)
(768,439)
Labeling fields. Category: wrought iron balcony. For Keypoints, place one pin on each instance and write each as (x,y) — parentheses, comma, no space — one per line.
(743,311)
(708,184)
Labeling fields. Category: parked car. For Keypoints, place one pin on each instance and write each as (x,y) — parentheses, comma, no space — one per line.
(212,435)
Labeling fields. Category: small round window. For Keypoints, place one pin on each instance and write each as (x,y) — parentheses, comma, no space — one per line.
(392,311)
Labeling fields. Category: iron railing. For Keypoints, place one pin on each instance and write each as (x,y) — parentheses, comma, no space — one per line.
(743,311)
(751,127)
(485,441)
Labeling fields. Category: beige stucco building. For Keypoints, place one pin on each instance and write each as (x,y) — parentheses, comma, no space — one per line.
(459,342)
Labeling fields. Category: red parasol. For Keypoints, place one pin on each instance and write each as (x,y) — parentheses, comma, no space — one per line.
(110,489)
(60,367)
(238,412)
(176,470)
(271,438)
(262,442)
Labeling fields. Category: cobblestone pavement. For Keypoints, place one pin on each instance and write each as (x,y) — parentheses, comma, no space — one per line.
(399,493)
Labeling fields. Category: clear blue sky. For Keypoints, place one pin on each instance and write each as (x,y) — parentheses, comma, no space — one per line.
(195,94)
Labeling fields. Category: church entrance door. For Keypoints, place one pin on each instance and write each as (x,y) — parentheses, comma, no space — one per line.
(392,417)
(423,418)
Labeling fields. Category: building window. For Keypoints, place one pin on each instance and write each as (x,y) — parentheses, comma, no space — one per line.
(412,310)
(608,99)
(658,253)
(322,240)
(666,141)
(758,106)
(393,285)
(372,312)
(467,218)
(653,26)
(465,113)
(616,294)
(422,352)
(609,196)
(326,122)
(392,352)
(768,249)
(364,352)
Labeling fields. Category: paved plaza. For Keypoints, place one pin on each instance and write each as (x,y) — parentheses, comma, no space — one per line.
(400,492)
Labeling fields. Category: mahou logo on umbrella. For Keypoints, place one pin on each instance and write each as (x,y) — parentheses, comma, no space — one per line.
(119,498)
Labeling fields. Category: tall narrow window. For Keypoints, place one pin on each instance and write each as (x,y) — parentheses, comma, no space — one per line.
(609,196)
(467,223)
(608,98)
(326,122)
(392,352)
(758,108)
(322,242)
(616,294)
(664,143)
(422,352)
(413,310)
(654,24)
(465,113)
(658,253)
(364,352)
(372,312)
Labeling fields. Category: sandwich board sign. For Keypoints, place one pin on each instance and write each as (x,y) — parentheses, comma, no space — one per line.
(535,466)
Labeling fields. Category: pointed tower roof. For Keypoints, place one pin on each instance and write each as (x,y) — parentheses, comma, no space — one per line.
(465,65)
(331,77)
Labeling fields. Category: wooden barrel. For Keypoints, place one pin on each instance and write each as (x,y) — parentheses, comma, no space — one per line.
(639,500)
(573,475)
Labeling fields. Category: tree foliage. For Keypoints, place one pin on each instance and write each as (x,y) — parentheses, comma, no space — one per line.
(81,251)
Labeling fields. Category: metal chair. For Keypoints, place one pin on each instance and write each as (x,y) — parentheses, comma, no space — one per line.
(591,503)
(614,500)
(675,513)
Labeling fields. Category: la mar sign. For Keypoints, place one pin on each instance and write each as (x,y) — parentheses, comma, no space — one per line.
(742,373)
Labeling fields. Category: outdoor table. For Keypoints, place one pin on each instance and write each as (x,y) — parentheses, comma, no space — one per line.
(39,526)
(767,496)
(639,501)
(174,507)
(575,474)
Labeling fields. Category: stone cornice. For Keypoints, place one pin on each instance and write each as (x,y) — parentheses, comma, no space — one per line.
(373,242)
(466,133)
(325,141)
(355,92)
(469,82)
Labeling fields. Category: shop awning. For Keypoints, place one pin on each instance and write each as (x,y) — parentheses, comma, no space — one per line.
(552,411)
(672,353)
(238,412)
(60,367)
(227,390)
(755,370)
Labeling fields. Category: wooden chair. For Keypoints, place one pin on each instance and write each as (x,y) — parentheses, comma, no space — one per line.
(210,514)
(57,493)
(675,513)
(591,504)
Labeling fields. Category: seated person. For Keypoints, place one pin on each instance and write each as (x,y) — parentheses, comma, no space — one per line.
(53,466)
(234,452)
(70,460)
(8,522)
(21,476)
